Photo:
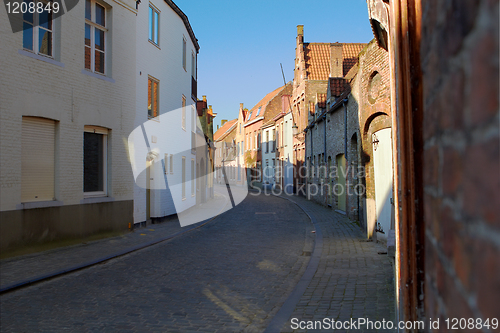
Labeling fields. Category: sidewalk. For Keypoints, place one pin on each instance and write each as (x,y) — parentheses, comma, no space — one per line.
(346,277)
(26,269)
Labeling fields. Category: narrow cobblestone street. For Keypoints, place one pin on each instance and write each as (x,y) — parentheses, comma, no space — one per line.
(254,267)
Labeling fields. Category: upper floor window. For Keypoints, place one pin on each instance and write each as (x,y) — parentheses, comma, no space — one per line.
(184,53)
(193,65)
(153,97)
(37,31)
(95,36)
(183,112)
(154,23)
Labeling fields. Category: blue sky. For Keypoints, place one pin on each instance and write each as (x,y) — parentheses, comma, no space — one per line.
(242,43)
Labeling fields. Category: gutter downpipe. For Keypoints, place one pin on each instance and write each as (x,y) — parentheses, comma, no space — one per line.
(344,102)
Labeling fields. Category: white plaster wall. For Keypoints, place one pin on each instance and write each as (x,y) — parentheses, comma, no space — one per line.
(57,89)
(165,64)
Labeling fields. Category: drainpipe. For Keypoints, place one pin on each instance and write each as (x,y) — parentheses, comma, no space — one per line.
(324,123)
(345,128)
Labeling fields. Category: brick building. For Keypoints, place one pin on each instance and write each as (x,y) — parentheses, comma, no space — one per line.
(205,150)
(315,64)
(444,67)
(226,151)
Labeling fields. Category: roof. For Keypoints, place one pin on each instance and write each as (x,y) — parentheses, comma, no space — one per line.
(186,23)
(254,112)
(337,85)
(317,57)
(226,128)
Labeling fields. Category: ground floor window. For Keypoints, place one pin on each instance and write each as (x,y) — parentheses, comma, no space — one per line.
(95,161)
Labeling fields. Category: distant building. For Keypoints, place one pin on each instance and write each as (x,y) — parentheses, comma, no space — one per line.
(205,149)
(226,152)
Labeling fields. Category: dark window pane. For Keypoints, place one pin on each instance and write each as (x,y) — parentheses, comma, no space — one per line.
(87,10)
(28,16)
(99,62)
(99,39)
(100,14)
(155,32)
(87,34)
(45,42)
(93,162)
(45,20)
(27,36)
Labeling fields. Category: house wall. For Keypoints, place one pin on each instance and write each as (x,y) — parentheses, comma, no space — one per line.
(60,89)
(460,67)
(165,64)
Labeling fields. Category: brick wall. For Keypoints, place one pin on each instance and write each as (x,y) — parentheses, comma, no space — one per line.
(460,66)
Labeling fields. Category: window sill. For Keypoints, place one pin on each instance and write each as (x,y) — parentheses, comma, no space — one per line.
(41,58)
(39,204)
(97,76)
(154,44)
(91,200)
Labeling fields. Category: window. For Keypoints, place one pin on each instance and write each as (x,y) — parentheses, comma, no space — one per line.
(171,159)
(184,53)
(154,23)
(193,179)
(267,142)
(153,97)
(165,164)
(95,161)
(183,112)
(258,111)
(183,177)
(273,141)
(37,31)
(193,120)
(95,34)
(37,159)
(193,65)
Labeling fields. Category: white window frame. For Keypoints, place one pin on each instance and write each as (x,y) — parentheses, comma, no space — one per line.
(104,132)
(36,31)
(93,25)
(157,101)
(171,162)
(193,65)
(154,31)
(165,162)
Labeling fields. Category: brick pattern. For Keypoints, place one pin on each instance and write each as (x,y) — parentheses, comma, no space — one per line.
(460,66)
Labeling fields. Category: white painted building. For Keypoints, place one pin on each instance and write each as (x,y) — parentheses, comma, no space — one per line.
(269,155)
(166,99)
(67,105)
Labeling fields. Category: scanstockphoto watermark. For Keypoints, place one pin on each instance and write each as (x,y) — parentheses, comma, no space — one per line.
(355,324)
(320,181)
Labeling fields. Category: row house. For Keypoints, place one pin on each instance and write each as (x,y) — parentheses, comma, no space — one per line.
(164,161)
(65,171)
(226,166)
(315,65)
(204,147)
(257,122)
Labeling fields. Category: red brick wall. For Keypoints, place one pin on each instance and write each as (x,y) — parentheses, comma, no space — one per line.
(460,66)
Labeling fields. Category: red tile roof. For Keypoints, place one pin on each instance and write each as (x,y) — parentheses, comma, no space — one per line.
(337,85)
(350,53)
(317,57)
(262,104)
(225,128)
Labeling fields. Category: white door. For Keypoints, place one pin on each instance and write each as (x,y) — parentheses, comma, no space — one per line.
(382,160)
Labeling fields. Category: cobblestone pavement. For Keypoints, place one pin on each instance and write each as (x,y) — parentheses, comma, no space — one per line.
(252,268)
(351,280)
(233,274)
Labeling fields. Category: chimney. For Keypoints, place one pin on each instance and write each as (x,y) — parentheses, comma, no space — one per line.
(285,103)
(222,122)
(204,98)
(300,33)
(336,60)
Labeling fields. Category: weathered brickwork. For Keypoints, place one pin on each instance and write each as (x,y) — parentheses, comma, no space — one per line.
(460,66)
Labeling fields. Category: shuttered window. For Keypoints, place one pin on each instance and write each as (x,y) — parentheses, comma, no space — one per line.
(37,161)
